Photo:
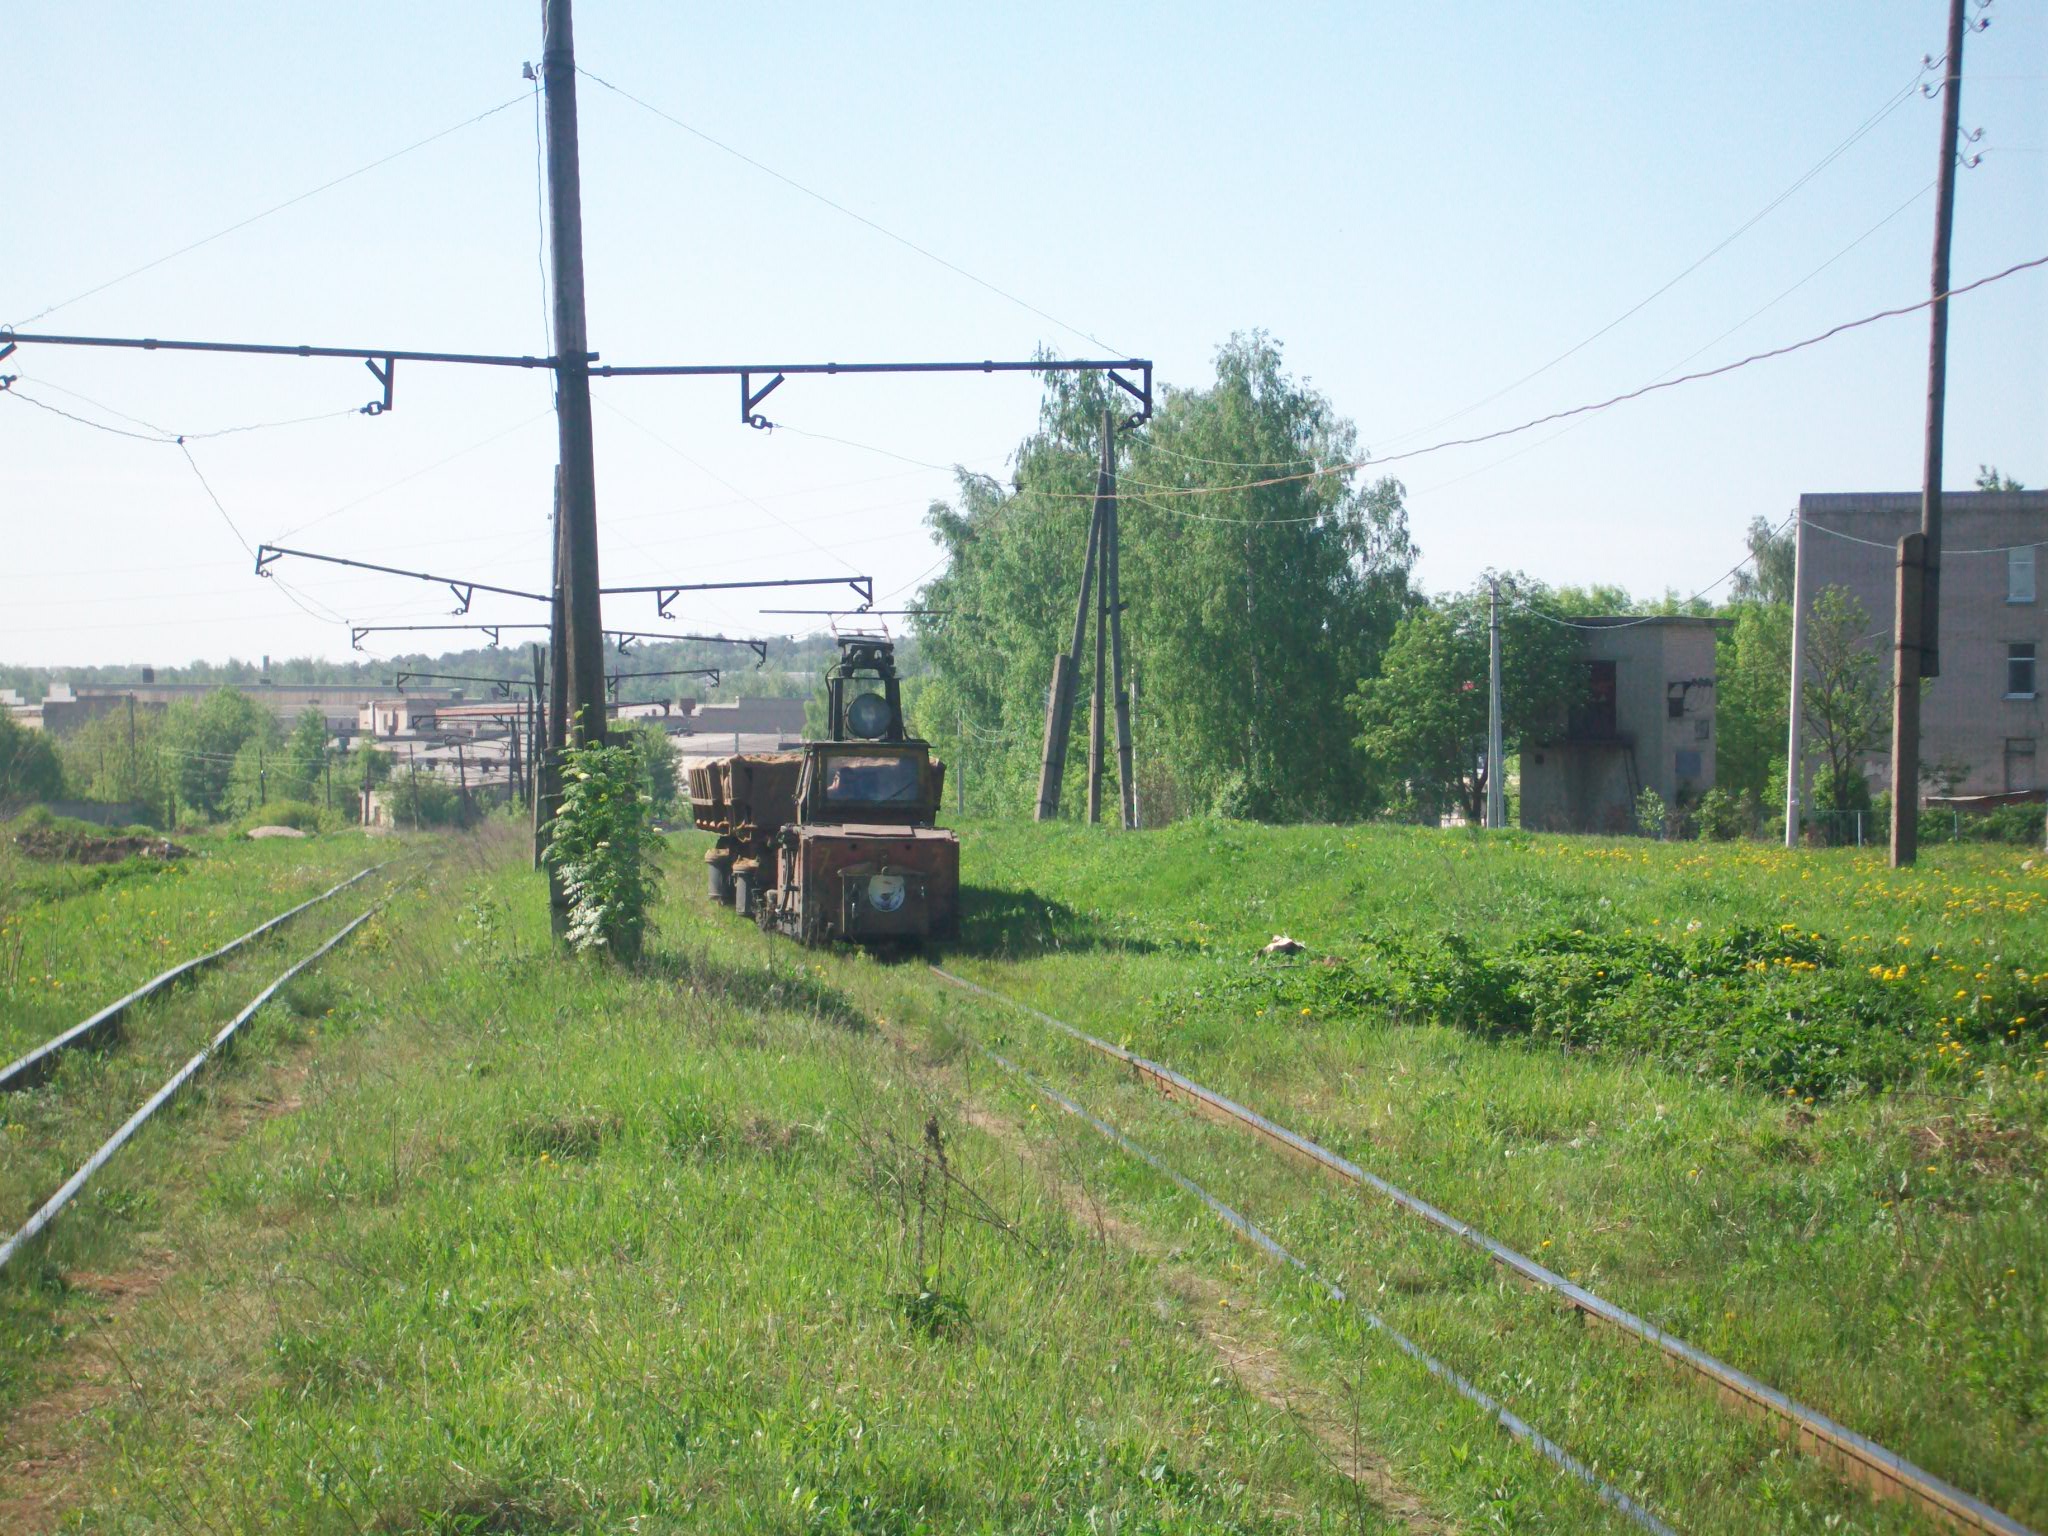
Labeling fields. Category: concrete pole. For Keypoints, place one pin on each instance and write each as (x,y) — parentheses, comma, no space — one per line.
(1496,783)
(582,627)
(1908,649)
(1795,691)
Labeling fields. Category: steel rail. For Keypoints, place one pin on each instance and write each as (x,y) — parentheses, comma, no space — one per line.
(1883,1472)
(156,1101)
(28,1070)
(1508,1420)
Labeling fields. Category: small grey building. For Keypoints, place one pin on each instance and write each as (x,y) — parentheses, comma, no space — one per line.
(1644,721)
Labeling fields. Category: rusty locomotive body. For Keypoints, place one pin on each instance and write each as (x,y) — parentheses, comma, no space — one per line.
(837,841)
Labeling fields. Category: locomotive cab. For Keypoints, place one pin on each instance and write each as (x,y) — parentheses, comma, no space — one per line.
(862,860)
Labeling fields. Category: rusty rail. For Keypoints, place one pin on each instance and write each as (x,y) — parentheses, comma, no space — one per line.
(1508,1420)
(1859,1459)
(48,1211)
(28,1070)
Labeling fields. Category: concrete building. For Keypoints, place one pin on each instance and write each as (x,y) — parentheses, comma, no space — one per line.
(397,715)
(1645,721)
(340,704)
(749,717)
(61,711)
(1982,721)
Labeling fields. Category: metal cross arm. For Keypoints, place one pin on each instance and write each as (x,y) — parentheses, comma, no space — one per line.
(381,361)
(504,685)
(1120,371)
(268,554)
(622,638)
(613,679)
(667,592)
(625,638)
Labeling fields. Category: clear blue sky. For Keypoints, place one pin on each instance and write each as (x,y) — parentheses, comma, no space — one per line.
(1423,203)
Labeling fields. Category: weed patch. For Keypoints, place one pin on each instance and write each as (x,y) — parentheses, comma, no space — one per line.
(1780,1009)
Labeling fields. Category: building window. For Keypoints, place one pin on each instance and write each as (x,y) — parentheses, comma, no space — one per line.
(2019,669)
(2019,574)
(2019,764)
(1593,719)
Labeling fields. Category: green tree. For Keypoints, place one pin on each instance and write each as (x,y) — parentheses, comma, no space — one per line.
(1259,584)
(658,758)
(30,768)
(305,756)
(1846,710)
(204,739)
(104,761)
(1989,479)
(1752,709)
(1422,718)
(1767,577)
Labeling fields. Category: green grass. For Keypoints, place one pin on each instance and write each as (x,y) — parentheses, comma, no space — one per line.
(467,1237)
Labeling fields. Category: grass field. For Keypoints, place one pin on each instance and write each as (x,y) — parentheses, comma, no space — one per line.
(469,1238)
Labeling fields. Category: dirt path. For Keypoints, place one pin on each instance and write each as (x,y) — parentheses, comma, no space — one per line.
(1239,1331)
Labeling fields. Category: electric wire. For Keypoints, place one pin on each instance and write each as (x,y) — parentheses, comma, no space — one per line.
(1611,401)
(1892,548)
(275,208)
(1897,100)
(158,434)
(1653,618)
(713,475)
(841,208)
(496,437)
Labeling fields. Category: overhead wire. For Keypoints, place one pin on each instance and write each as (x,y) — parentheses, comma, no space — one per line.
(1891,105)
(838,207)
(157,434)
(1653,387)
(1653,618)
(276,208)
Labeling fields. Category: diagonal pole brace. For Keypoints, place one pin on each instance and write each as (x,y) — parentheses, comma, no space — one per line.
(750,400)
(383,376)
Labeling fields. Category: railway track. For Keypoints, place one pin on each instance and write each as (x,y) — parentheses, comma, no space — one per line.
(72,1186)
(31,1068)
(1859,1459)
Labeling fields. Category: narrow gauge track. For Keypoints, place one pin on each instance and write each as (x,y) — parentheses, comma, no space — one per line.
(1512,1422)
(1860,1459)
(30,1069)
(156,1101)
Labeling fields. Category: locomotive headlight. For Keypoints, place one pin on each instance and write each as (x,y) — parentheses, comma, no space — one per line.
(885,892)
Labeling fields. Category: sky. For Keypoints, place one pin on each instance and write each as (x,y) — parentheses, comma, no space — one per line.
(1424,205)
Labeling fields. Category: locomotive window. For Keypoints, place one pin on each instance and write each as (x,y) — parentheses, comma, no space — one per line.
(866,780)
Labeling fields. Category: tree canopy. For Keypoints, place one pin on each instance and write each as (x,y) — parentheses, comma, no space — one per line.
(1259,585)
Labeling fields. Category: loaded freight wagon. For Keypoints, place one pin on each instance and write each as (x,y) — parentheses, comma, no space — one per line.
(837,841)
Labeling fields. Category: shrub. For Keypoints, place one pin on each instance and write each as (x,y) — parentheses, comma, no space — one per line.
(1721,817)
(1650,813)
(296,814)
(425,802)
(604,846)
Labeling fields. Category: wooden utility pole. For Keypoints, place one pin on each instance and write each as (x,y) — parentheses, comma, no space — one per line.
(1113,574)
(1059,702)
(1925,629)
(581,634)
